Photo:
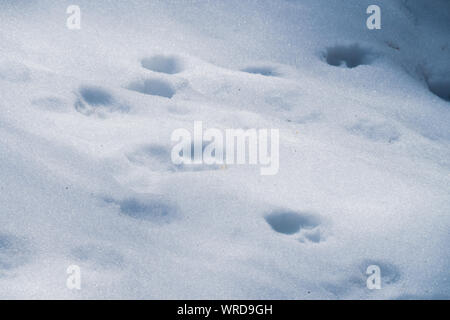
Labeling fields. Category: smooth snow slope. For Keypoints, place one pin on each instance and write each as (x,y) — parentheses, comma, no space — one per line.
(85,171)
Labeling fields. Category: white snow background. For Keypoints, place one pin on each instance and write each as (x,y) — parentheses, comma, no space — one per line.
(85,172)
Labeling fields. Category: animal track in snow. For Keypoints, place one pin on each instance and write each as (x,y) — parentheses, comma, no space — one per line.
(14,252)
(93,99)
(154,87)
(267,71)
(290,222)
(378,132)
(163,64)
(441,88)
(352,56)
(148,207)
(96,96)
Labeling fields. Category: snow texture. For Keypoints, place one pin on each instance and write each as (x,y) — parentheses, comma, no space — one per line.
(86,178)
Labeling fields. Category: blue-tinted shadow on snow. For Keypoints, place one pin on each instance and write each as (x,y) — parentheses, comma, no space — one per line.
(92,99)
(153,87)
(14,252)
(147,207)
(349,56)
(390,273)
(267,71)
(441,88)
(291,222)
(162,64)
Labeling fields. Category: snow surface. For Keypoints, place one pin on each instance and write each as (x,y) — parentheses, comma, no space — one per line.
(86,177)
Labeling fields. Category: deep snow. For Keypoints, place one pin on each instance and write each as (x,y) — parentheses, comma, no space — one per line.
(86,177)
